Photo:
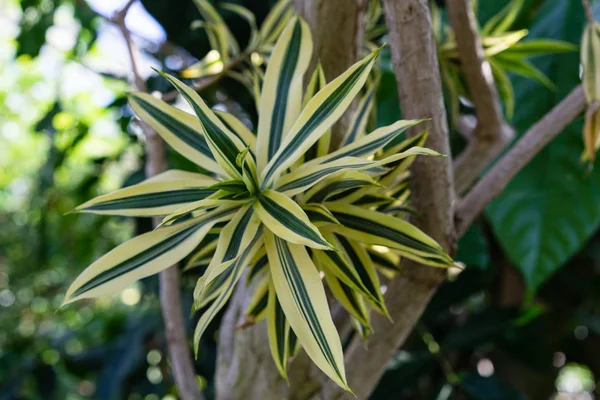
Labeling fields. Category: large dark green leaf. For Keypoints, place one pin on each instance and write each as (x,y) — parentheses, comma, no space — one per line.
(550,209)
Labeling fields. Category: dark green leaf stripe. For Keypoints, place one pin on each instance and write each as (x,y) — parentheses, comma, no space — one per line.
(256,268)
(351,296)
(368,148)
(336,187)
(302,300)
(260,305)
(344,268)
(359,267)
(407,143)
(221,141)
(228,126)
(315,176)
(279,20)
(235,270)
(145,256)
(153,200)
(316,216)
(361,115)
(181,130)
(381,260)
(372,199)
(280,324)
(341,195)
(373,228)
(283,87)
(324,110)
(292,342)
(237,235)
(290,221)
(231,251)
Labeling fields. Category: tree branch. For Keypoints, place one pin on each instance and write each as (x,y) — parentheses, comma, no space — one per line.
(492,134)
(170,297)
(245,369)
(338,36)
(534,140)
(414,58)
(198,86)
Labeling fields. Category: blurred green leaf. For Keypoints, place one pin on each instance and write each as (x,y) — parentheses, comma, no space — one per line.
(480,388)
(551,207)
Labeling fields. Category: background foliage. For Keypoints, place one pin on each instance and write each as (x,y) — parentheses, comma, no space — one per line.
(522,320)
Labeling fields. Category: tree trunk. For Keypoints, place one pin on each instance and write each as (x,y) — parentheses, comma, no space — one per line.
(245,368)
(414,58)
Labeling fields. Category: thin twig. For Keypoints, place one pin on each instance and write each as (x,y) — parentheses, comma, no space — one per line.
(534,140)
(588,11)
(119,16)
(170,297)
(208,81)
(492,134)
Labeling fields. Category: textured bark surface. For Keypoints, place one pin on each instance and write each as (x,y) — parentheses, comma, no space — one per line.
(534,140)
(415,63)
(492,133)
(338,34)
(245,369)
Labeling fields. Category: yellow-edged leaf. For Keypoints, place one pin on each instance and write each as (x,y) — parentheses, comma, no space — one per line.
(302,298)
(284,217)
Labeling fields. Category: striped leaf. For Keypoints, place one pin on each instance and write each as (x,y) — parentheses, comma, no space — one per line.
(257,308)
(182,131)
(365,268)
(358,124)
(321,112)
(203,256)
(319,214)
(302,298)
(246,14)
(224,144)
(152,198)
(278,330)
(281,96)
(338,183)
(321,148)
(236,126)
(143,256)
(284,217)
(350,268)
(275,22)
(348,298)
(310,174)
(257,266)
(235,236)
(249,175)
(384,258)
(225,283)
(375,228)
(220,198)
(371,143)
(219,36)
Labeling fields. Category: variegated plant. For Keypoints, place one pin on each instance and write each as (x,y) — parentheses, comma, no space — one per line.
(227,57)
(278,204)
(504,49)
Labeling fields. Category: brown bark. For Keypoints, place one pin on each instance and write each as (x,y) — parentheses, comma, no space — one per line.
(245,369)
(534,140)
(414,57)
(338,36)
(492,133)
(170,296)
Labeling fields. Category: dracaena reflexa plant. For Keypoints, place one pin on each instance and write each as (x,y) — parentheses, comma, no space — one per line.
(278,203)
